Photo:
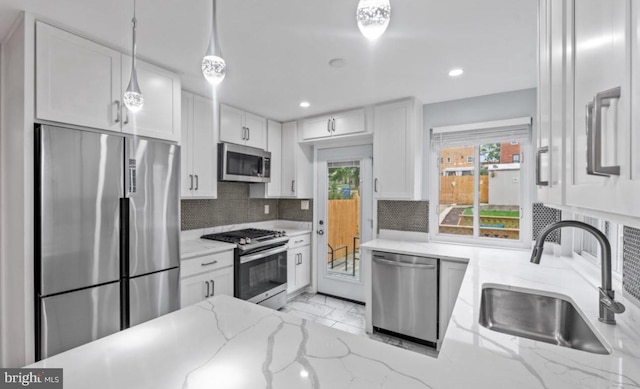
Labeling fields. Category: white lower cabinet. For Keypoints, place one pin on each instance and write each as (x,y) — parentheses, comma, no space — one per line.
(206,276)
(299,263)
(451,275)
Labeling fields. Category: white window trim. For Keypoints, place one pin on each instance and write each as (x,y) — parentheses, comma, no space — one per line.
(526,197)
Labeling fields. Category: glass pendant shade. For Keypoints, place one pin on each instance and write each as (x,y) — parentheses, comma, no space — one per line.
(133,98)
(214,68)
(373,17)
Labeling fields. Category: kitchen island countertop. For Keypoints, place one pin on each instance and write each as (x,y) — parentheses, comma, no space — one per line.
(228,343)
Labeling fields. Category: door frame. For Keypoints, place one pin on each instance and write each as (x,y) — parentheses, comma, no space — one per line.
(363,153)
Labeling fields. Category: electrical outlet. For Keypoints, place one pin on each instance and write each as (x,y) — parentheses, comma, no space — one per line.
(266,209)
(304,205)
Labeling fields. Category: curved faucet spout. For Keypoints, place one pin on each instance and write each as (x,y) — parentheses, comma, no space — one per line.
(608,306)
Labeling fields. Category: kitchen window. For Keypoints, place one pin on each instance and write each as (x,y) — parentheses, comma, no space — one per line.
(481,200)
(586,245)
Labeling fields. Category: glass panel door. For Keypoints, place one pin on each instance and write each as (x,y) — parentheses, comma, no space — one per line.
(457,190)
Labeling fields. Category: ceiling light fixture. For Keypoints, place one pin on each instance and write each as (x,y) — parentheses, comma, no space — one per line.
(305,104)
(373,17)
(133,98)
(214,68)
(455,72)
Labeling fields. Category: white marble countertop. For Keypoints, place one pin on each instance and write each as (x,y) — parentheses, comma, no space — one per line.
(474,356)
(226,343)
(192,246)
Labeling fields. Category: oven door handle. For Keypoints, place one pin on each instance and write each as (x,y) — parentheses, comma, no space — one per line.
(262,254)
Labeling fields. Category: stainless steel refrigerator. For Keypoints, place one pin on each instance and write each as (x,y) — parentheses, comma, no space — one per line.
(107,234)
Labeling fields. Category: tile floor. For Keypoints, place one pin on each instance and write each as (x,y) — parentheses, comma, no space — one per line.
(345,316)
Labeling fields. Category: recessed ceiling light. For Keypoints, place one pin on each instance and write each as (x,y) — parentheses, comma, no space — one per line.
(338,63)
(455,72)
(305,104)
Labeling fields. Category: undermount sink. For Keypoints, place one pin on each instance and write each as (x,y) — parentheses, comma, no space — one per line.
(538,317)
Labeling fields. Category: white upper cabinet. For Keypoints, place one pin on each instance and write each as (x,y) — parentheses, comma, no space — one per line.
(199,148)
(243,128)
(80,82)
(601,163)
(77,81)
(589,99)
(297,164)
(274,146)
(325,126)
(397,150)
(553,92)
(160,115)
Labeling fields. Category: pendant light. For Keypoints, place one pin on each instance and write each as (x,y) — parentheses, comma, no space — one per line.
(373,17)
(133,98)
(213,66)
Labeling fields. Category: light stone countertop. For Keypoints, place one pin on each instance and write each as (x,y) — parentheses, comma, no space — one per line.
(474,356)
(227,343)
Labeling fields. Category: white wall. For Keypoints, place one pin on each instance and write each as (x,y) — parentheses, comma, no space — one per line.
(16,186)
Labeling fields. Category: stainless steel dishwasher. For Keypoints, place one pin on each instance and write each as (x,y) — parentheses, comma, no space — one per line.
(405,295)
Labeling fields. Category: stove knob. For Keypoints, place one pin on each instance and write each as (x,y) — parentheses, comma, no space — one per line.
(248,240)
(243,241)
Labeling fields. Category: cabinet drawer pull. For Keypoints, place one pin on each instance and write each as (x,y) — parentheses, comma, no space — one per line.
(299,241)
(209,263)
(594,135)
(541,150)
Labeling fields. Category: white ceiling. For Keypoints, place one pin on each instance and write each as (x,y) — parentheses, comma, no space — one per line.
(277,51)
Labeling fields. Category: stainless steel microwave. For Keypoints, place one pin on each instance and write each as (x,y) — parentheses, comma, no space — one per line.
(243,163)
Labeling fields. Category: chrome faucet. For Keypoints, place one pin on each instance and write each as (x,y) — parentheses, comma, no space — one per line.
(608,306)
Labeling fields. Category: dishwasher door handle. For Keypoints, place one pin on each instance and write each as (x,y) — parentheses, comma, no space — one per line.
(383,261)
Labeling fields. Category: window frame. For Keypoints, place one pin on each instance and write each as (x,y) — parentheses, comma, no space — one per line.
(527,189)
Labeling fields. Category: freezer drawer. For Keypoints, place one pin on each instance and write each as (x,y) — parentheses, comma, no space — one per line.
(405,295)
(153,295)
(72,319)
(80,179)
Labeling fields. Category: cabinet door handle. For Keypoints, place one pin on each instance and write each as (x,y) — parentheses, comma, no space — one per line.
(244,133)
(207,295)
(541,150)
(595,143)
(329,125)
(117,104)
(333,124)
(213,288)
(126,116)
(375,185)
(191,178)
(209,263)
(293,186)
(197,182)
(248,133)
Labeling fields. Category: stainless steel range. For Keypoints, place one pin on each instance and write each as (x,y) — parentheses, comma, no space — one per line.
(260,271)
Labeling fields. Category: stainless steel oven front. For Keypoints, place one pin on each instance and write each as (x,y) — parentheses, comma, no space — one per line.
(261,276)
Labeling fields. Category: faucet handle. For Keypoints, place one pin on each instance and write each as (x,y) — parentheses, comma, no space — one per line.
(607,298)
